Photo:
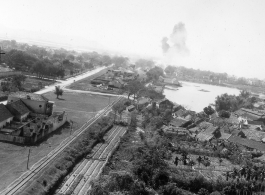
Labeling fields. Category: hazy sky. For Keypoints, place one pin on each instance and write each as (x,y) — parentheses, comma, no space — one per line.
(222,36)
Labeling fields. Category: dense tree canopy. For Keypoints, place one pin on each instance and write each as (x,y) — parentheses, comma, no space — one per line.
(154,73)
(46,62)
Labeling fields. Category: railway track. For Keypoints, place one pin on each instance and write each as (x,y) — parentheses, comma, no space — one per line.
(20,183)
(86,187)
(79,181)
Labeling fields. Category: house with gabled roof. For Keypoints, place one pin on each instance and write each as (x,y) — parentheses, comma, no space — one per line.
(18,109)
(5,116)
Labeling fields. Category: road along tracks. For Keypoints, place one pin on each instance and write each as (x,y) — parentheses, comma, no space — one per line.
(19,184)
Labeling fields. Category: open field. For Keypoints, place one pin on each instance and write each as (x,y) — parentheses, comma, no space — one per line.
(31,83)
(79,107)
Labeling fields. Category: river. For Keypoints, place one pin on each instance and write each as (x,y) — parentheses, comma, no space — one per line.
(190,96)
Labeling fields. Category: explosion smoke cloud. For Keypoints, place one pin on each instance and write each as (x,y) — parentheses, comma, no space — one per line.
(176,43)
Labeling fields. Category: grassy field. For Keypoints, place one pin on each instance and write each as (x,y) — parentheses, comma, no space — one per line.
(79,107)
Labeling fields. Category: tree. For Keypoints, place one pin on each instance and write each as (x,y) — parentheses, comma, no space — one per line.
(245,94)
(106,60)
(88,65)
(171,70)
(176,162)
(17,81)
(5,86)
(120,61)
(203,191)
(209,110)
(134,87)
(171,189)
(70,57)
(154,73)
(98,189)
(220,161)
(118,108)
(156,121)
(58,91)
(167,115)
(199,159)
(144,64)
(224,114)
(191,163)
(226,102)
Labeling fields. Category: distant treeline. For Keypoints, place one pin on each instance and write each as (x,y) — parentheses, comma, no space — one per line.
(45,61)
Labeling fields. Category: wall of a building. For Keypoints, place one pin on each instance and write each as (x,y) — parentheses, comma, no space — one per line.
(3,123)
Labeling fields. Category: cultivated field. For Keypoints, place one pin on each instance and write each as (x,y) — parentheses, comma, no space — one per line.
(79,107)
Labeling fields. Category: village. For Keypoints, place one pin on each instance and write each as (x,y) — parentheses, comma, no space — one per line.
(224,143)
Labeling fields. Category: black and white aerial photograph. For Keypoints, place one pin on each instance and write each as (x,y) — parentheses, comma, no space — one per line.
(132,97)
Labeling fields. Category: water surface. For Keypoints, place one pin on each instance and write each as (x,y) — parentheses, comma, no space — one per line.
(190,95)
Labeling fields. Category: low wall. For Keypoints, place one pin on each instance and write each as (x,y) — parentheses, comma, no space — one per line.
(12,138)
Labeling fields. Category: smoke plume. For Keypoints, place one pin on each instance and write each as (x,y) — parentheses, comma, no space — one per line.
(165,45)
(176,43)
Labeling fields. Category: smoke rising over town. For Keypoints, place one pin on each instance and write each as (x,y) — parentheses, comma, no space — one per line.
(176,42)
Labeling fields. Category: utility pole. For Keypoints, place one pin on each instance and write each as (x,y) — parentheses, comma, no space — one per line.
(28,160)
(109,99)
(1,53)
(71,126)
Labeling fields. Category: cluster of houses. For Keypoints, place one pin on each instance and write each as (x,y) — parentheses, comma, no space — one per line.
(27,118)
(245,127)
(115,78)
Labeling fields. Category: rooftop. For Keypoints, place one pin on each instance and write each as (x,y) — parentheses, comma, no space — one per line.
(247,142)
(17,108)
(225,136)
(143,101)
(207,134)
(4,113)
(178,122)
(25,95)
